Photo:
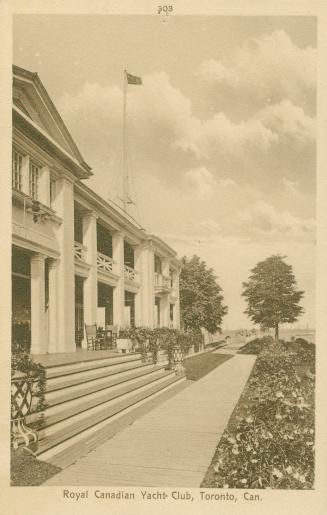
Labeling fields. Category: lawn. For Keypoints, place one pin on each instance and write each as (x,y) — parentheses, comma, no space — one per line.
(26,470)
(200,365)
(269,440)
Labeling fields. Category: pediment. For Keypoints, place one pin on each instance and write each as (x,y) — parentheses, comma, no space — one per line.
(31,99)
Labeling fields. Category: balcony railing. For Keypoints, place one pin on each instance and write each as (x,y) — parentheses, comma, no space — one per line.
(162,281)
(79,251)
(130,273)
(104,263)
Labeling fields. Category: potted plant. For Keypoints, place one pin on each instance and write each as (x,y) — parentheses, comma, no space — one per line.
(124,341)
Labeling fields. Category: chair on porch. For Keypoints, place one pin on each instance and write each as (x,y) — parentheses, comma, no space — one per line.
(93,339)
(111,334)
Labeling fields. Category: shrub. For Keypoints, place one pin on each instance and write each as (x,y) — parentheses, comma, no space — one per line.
(162,338)
(256,346)
(269,441)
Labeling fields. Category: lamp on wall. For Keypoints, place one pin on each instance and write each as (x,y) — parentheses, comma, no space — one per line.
(36,211)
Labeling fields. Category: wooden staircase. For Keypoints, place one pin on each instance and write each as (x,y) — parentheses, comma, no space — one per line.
(84,399)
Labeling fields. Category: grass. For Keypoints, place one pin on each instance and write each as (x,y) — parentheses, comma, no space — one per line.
(201,365)
(26,470)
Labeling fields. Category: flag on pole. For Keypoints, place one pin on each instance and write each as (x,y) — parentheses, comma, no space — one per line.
(132,79)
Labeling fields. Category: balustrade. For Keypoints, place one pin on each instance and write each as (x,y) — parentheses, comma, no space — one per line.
(104,263)
(130,273)
(162,281)
(79,251)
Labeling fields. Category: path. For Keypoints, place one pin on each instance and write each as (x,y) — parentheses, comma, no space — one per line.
(173,444)
(233,347)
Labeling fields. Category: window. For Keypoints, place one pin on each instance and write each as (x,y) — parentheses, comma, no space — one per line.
(34,180)
(104,240)
(130,308)
(17,162)
(52,191)
(157,311)
(171,312)
(128,254)
(157,264)
(171,278)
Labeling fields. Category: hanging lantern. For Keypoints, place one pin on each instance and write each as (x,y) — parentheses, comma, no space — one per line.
(36,211)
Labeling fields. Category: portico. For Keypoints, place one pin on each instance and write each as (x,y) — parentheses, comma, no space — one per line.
(77,259)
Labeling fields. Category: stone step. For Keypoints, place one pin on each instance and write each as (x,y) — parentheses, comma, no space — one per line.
(53,371)
(89,376)
(64,415)
(95,418)
(72,376)
(69,394)
(84,443)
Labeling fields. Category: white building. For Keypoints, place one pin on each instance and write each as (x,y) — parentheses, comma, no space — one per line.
(76,259)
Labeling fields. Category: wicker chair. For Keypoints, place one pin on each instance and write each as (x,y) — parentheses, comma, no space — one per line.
(94,341)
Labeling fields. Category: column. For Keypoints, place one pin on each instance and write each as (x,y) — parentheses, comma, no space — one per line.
(64,205)
(146,262)
(177,321)
(164,301)
(165,262)
(90,287)
(53,320)
(138,296)
(37,304)
(164,310)
(44,186)
(119,290)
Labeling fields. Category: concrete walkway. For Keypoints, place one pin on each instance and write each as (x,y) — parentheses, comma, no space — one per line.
(173,444)
(231,348)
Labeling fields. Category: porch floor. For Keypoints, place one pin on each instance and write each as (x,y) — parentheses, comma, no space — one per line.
(81,355)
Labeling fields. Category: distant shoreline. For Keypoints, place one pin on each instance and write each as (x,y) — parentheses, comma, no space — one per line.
(307,334)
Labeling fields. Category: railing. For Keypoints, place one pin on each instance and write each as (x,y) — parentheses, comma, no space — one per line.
(104,263)
(79,251)
(130,273)
(162,281)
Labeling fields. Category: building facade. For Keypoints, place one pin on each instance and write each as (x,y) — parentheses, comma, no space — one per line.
(76,259)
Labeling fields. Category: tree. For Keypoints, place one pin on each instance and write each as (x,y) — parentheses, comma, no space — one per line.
(272,295)
(201,300)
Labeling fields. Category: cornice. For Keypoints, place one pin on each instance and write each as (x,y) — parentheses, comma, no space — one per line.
(26,124)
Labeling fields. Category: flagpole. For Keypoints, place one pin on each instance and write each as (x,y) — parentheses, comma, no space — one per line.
(125,171)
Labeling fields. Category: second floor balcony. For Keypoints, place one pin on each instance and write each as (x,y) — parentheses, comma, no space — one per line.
(79,251)
(105,263)
(162,283)
(130,274)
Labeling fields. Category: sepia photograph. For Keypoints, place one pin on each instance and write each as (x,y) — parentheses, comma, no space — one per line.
(163,285)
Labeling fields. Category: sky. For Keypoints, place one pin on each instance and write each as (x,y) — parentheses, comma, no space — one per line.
(221,134)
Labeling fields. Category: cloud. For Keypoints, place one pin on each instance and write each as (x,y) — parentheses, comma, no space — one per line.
(200,181)
(264,70)
(263,220)
(167,140)
(288,121)
(207,227)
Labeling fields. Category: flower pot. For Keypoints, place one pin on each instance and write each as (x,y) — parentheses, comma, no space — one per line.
(124,345)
